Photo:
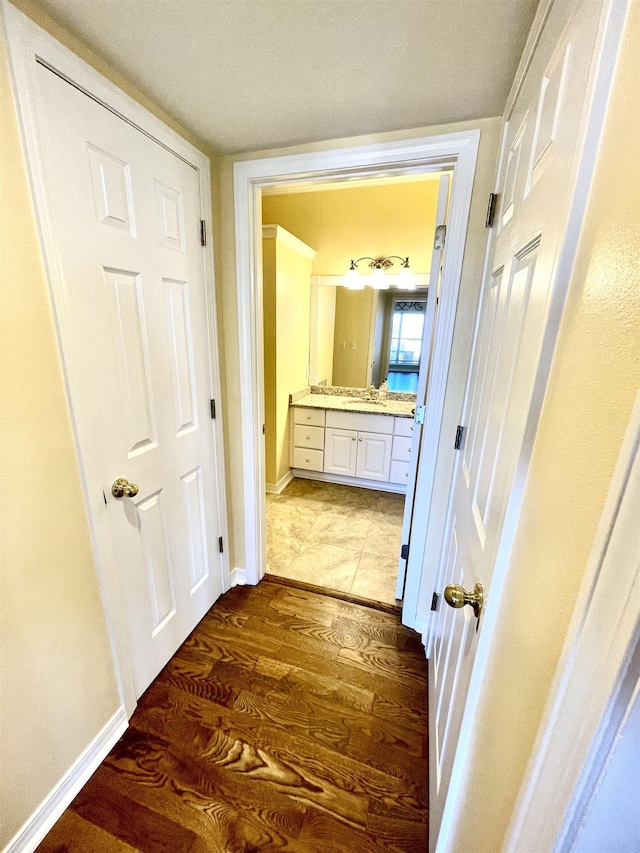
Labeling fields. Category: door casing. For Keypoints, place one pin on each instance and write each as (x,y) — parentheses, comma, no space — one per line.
(457,151)
(29,45)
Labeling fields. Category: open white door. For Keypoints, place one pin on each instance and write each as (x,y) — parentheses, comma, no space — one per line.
(521,304)
(435,275)
(124,213)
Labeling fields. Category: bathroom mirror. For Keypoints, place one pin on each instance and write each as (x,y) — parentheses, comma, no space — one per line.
(359,337)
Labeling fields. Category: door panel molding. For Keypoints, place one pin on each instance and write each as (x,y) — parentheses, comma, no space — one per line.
(28,46)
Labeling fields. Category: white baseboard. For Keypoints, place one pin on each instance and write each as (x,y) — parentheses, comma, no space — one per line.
(378,485)
(238,577)
(281,485)
(36,827)
(420,626)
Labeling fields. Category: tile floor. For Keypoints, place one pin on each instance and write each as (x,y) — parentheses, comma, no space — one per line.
(340,537)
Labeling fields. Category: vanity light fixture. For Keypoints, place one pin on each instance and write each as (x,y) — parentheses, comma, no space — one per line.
(352,278)
(378,280)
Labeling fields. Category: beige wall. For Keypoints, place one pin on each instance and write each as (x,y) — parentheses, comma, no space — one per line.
(287,288)
(340,224)
(354,314)
(594,381)
(471,275)
(352,222)
(58,687)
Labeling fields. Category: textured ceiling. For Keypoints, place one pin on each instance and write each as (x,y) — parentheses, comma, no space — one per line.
(251,74)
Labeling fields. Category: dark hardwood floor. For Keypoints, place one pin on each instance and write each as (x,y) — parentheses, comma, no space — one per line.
(288,721)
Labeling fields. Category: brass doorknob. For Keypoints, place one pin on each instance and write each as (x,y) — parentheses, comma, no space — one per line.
(457,596)
(124,489)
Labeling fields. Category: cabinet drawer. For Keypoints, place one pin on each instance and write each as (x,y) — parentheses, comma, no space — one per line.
(403,426)
(310,460)
(399,473)
(312,417)
(401,450)
(308,436)
(361,421)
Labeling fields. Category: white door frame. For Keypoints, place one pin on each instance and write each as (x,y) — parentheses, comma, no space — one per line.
(29,45)
(458,151)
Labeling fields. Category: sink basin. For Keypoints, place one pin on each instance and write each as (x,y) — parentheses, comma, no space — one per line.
(374,403)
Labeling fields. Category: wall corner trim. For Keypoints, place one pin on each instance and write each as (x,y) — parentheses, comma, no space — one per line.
(277,232)
(49,811)
(238,577)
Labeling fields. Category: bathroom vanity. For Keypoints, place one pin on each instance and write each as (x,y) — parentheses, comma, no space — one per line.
(353,441)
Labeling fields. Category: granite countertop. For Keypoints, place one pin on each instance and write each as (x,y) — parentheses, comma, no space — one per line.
(395,408)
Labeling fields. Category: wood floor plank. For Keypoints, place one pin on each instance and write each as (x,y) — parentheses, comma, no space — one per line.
(288,721)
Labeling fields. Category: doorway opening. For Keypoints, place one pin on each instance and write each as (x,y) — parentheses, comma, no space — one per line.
(346,277)
(457,153)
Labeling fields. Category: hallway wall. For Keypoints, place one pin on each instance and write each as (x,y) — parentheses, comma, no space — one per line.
(592,388)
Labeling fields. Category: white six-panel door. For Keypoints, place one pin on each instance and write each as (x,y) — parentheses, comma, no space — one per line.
(126,225)
(542,140)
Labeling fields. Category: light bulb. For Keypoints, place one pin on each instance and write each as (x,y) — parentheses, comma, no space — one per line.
(378,279)
(352,280)
(406,281)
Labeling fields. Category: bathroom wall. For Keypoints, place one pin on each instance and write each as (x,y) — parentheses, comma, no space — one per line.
(345,223)
(286,295)
(350,222)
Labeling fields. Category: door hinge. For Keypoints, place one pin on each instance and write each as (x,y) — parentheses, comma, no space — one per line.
(491,209)
(203,233)
(441,236)
(404,552)
(213,410)
(434,601)
(220,545)
(419,414)
(264,429)
(457,444)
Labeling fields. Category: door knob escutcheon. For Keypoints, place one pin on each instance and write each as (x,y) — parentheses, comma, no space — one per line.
(457,596)
(124,489)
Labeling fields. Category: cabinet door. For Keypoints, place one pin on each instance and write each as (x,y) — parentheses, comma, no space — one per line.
(374,456)
(340,449)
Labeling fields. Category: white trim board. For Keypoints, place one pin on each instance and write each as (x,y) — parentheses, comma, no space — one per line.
(50,810)
(238,577)
(359,482)
(281,485)
(431,154)
(29,45)
(421,280)
(583,715)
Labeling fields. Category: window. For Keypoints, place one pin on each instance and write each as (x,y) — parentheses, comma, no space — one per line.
(406,333)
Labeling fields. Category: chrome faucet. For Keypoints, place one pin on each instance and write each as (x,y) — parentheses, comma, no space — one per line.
(371,392)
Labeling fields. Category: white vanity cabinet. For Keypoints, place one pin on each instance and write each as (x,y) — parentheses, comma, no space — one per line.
(340,451)
(361,446)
